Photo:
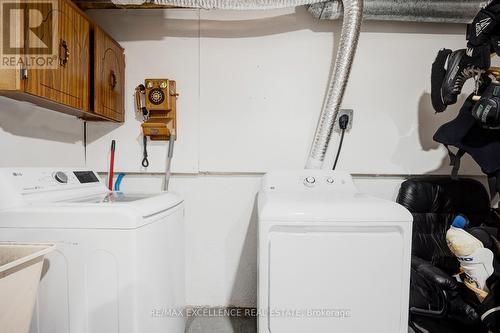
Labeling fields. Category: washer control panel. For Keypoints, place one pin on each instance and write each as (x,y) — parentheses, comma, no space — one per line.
(32,180)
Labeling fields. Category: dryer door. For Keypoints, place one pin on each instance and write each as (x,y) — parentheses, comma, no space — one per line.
(345,279)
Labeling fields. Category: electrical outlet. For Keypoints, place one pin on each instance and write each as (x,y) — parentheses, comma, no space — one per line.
(348,112)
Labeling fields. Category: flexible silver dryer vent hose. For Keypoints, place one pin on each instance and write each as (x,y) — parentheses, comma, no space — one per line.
(351,28)
(353,13)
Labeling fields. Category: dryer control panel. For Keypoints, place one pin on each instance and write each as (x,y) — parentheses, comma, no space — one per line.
(308,180)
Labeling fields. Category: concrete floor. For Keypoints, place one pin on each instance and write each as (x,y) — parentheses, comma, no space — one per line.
(225,325)
(221,325)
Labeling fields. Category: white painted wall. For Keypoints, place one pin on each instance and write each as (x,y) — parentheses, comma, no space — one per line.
(251,86)
(33,136)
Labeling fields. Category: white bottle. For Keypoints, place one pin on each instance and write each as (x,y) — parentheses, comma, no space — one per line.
(476,261)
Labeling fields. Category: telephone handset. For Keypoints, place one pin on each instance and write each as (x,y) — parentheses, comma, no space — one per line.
(139,104)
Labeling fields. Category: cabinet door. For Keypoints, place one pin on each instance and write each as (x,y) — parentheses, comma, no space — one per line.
(68,84)
(109,77)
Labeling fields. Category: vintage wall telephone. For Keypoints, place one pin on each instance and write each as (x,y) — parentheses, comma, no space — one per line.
(156,101)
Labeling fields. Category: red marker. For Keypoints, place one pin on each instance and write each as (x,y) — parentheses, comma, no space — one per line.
(111,166)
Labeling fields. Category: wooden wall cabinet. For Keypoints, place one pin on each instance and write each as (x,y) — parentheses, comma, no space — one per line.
(88,81)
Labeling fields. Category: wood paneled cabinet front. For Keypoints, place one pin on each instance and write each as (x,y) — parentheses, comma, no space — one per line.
(67,84)
(109,77)
(87,76)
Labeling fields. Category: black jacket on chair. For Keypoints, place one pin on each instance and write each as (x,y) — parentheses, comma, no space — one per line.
(438,303)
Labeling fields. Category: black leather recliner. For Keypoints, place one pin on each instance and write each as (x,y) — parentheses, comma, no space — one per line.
(438,303)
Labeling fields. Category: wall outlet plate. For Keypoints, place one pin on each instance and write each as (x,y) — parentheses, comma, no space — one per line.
(348,112)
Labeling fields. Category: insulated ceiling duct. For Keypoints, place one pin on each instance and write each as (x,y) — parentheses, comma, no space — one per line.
(450,11)
(224,4)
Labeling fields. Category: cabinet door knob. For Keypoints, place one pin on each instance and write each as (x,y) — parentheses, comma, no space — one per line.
(112,79)
(63,53)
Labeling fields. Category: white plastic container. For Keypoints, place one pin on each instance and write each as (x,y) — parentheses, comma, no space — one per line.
(20,270)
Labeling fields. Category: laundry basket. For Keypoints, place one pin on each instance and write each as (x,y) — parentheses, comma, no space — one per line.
(20,270)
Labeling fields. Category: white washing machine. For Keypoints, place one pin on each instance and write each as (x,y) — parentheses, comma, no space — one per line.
(119,262)
(331,259)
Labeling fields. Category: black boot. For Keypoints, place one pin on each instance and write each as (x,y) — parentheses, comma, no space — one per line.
(450,71)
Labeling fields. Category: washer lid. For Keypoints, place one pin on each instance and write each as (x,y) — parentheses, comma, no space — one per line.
(105,211)
(111,197)
(148,204)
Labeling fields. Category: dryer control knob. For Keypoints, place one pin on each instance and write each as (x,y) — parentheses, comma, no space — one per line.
(309,181)
(61,177)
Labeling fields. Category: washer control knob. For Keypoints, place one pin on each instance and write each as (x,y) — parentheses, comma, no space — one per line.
(61,177)
(310,181)
(330,180)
